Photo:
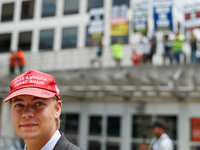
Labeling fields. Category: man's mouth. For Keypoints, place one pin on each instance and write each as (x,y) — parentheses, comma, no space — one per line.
(28,125)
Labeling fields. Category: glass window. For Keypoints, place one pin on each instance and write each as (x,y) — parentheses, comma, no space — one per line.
(170,123)
(112,146)
(72,124)
(113,126)
(94,4)
(48,8)
(71,7)
(119,2)
(25,39)
(140,126)
(95,125)
(5,41)
(195,148)
(69,37)
(94,145)
(27,9)
(7,12)
(46,39)
(87,37)
(120,39)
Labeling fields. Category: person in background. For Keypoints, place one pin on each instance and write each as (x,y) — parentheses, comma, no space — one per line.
(35,111)
(153,46)
(99,52)
(193,44)
(161,140)
(117,51)
(22,60)
(178,47)
(168,49)
(13,62)
(145,48)
(136,58)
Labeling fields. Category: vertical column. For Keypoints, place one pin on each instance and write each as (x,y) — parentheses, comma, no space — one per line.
(35,40)
(83,127)
(16,20)
(17,11)
(14,40)
(108,7)
(38,9)
(82,26)
(35,36)
(104,130)
(58,29)
(126,128)
(183,127)
(0,113)
(7,127)
(1,7)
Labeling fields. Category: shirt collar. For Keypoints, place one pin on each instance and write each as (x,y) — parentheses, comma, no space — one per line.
(51,143)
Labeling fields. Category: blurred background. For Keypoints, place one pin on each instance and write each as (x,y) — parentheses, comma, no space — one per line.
(119,64)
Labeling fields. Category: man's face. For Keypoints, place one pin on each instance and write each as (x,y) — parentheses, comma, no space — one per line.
(33,117)
(157,131)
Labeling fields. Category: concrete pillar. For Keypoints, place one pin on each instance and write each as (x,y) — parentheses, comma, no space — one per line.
(83,127)
(37,17)
(126,128)
(7,126)
(58,28)
(0,113)
(107,7)
(183,127)
(82,26)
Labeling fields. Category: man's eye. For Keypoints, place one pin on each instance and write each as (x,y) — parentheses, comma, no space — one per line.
(39,104)
(19,105)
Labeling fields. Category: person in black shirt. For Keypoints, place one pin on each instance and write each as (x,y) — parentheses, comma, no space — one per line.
(193,44)
(168,49)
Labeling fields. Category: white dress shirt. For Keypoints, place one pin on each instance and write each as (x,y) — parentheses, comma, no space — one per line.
(163,143)
(51,143)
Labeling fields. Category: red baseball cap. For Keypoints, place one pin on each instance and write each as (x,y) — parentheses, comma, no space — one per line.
(34,83)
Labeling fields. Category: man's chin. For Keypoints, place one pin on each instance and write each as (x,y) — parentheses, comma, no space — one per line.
(28,135)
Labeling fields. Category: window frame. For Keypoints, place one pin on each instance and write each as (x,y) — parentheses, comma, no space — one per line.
(49,15)
(13,10)
(22,5)
(31,38)
(71,12)
(6,50)
(46,49)
(73,45)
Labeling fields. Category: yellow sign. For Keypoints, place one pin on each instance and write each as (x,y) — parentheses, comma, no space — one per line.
(119,30)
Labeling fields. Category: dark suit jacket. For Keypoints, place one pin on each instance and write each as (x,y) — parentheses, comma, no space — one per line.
(64,144)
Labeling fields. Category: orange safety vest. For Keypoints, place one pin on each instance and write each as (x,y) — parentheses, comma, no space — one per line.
(22,58)
(13,59)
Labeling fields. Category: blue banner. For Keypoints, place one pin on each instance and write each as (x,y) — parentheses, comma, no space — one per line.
(163,20)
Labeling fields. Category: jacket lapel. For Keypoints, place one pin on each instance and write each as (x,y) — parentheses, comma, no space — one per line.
(62,143)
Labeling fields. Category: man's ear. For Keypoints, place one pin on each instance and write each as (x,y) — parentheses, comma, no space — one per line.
(58,109)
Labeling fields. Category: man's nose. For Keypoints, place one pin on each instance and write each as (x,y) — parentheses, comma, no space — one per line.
(28,112)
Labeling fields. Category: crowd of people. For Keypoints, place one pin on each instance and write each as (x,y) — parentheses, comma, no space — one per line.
(147,48)
(17,60)
(173,49)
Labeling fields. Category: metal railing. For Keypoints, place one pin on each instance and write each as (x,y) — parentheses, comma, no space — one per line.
(68,59)
(72,59)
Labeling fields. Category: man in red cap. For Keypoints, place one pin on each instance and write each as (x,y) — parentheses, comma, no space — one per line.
(35,111)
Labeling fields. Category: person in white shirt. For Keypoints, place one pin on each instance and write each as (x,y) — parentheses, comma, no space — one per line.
(161,140)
